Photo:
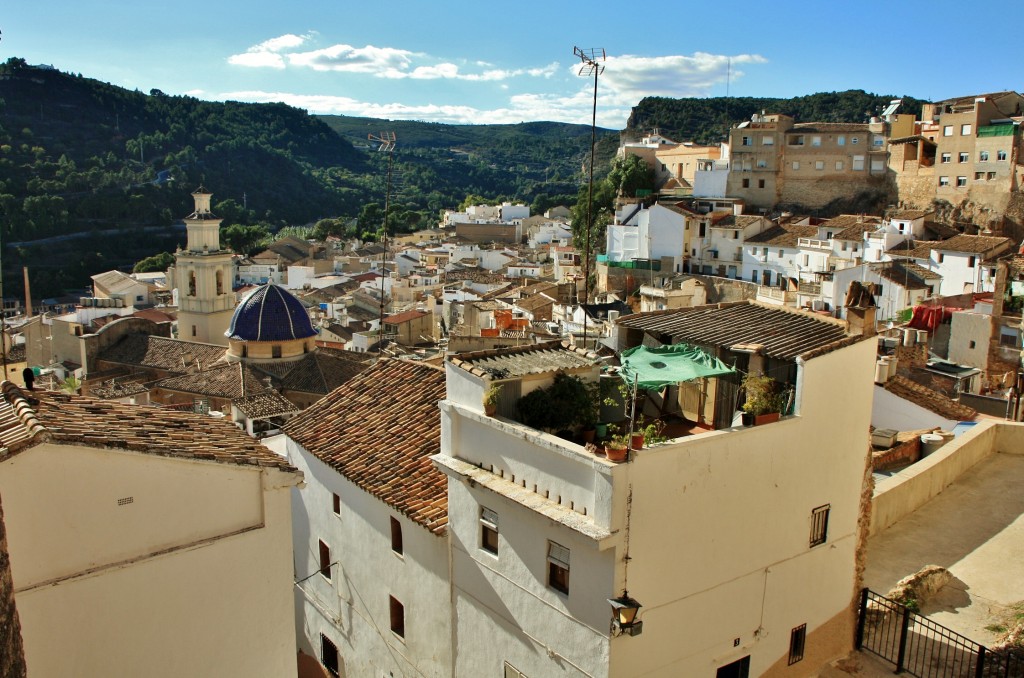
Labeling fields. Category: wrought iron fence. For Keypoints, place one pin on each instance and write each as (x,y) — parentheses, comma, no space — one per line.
(922,648)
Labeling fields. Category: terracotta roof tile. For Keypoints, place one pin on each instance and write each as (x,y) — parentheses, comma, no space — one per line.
(79,420)
(172,355)
(379,430)
(930,400)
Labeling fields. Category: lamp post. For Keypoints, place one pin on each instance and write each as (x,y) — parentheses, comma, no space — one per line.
(624,611)
(590,59)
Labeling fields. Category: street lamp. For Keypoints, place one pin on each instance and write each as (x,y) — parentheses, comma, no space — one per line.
(624,611)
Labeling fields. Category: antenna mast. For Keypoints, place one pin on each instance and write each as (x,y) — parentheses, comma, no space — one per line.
(387,145)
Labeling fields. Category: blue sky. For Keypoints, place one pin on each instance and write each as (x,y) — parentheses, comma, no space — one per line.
(486,62)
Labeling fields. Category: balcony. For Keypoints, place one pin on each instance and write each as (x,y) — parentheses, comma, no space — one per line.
(776,295)
(813,244)
(809,288)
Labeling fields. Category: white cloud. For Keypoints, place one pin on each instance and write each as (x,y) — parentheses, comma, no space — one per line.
(520,108)
(630,78)
(266,54)
(382,62)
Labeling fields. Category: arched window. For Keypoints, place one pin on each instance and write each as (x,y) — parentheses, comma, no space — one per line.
(191,283)
(220,282)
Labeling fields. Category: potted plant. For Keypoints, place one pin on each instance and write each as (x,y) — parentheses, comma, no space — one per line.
(654,433)
(617,447)
(764,398)
(491,397)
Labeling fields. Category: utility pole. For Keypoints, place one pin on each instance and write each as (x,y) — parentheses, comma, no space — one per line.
(387,145)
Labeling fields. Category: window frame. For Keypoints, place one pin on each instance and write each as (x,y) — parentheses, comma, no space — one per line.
(558,559)
(396,612)
(961,181)
(489,531)
(334,670)
(397,544)
(797,643)
(324,559)
(336,503)
(819,525)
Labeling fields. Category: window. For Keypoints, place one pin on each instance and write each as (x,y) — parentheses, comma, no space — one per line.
(978,176)
(796,164)
(877,165)
(761,164)
(748,141)
(139,297)
(753,276)
(796,140)
(513,672)
(940,256)
(983,156)
(963,157)
(877,140)
(971,261)
(325,561)
(947,158)
(854,140)
(819,164)
(488,530)
(191,283)
(738,669)
(396,536)
(194,330)
(971,344)
(841,140)
(275,351)
(947,131)
(336,504)
(735,235)
(329,655)
(760,183)
(746,183)
(990,176)
(797,638)
(780,254)
(965,130)
(1000,155)
(943,181)
(858,163)
(220,282)
(558,567)
(397,616)
(839,165)
(1007,337)
(767,140)
(815,141)
(961,181)
(819,525)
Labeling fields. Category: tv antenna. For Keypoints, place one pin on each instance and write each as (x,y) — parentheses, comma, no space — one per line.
(386,144)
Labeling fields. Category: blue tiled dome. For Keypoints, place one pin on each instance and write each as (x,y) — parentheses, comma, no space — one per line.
(270,313)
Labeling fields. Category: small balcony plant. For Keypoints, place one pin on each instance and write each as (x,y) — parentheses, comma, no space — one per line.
(491,397)
(765,398)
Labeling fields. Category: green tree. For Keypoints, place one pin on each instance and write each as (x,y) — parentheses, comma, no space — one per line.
(630,174)
(243,238)
(157,262)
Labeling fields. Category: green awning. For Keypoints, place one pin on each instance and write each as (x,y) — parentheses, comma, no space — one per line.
(655,368)
(1002,130)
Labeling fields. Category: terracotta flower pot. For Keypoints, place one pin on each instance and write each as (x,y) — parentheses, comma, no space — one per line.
(766,418)
(490,410)
(615,453)
(636,442)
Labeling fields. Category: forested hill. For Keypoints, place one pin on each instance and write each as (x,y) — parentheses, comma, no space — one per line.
(82,156)
(707,121)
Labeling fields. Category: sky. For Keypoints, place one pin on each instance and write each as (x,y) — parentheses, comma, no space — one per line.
(484,62)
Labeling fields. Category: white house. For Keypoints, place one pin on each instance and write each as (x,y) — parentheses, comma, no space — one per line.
(648,233)
(741,543)
(370,537)
(145,542)
(965,262)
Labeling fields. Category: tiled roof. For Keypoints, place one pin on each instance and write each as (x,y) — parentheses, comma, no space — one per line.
(379,431)
(851,226)
(940,231)
(737,221)
(504,363)
(404,317)
(980,244)
(79,420)
(223,381)
(172,355)
(534,302)
(321,372)
(112,389)
(913,249)
(785,235)
(930,400)
(910,215)
(784,333)
(154,315)
(905,273)
(270,313)
(264,405)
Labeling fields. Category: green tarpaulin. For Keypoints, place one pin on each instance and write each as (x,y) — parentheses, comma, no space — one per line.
(655,368)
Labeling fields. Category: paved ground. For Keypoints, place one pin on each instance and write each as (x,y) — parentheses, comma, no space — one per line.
(975,529)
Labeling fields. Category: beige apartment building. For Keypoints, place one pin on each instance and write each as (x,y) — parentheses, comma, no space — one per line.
(777,160)
(964,151)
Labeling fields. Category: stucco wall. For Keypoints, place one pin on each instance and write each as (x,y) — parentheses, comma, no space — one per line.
(352,608)
(191,577)
(909,489)
(720,532)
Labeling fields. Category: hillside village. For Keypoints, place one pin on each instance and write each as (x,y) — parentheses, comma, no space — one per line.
(488,449)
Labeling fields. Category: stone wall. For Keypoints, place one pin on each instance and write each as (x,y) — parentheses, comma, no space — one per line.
(12,654)
(899,455)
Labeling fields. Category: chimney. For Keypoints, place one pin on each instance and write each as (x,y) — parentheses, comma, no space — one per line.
(860,309)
